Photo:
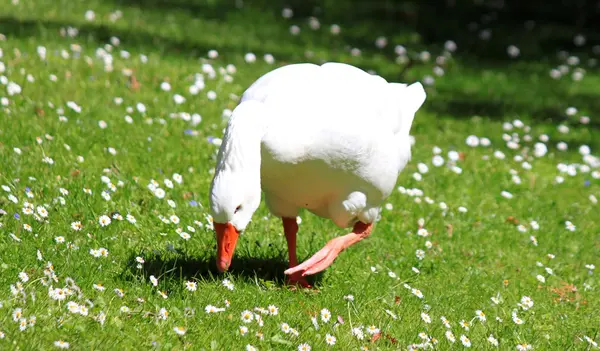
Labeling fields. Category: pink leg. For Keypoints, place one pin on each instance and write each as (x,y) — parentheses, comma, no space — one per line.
(325,257)
(290,228)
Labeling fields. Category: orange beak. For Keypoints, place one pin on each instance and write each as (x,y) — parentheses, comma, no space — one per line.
(227,237)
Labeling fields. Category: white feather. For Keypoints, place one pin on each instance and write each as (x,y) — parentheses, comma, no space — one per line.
(330,138)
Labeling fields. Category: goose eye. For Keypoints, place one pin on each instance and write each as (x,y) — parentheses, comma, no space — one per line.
(238,208)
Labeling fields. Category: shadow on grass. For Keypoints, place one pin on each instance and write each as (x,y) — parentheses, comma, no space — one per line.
(462,105)
(143,41)
(539,28)
(362,22)
(217,10)
(178,266)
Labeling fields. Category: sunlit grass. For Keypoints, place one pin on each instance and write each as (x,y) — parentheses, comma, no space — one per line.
(75,121)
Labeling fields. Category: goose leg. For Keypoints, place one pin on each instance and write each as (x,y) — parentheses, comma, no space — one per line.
(325,257)
(290,228)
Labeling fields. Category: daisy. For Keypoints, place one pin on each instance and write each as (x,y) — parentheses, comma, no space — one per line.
(178,178)
(42,211)
(493,340)
(465,324)
(285,328)
(164,220)
(153,280)
(243,330)
(273,310)
(228,284)
(372,330)
(526,302)
(174,219)
(358,333)
(83,310)
(61,344)
(325,315)
(247,316)
(163,313)
(524,347)
(417,293)
(261,310)
(570,226)
(179,330)
(191,286)
(73,307)
(423,232)
(480,315)
(186,236)
(516,319)
(450,336)
(330,339)
(304,347)
(420,254)
(250,348)
(104,220)
(465,341)
(76,226)
(131,219)
(159,193)
(425,317)
(445,321)
(23,277)
(496,299)
(17,314)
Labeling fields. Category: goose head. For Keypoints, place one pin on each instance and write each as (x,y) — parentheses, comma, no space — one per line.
(234,197)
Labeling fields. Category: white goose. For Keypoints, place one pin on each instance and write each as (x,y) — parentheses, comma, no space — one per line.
(331,139)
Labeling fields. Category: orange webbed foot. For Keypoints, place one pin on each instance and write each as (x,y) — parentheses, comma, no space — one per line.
(320,260)
(325,257)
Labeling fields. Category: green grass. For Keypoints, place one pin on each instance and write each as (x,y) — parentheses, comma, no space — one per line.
(473,256)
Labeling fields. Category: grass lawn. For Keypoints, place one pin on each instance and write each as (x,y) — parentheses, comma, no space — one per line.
(500,238)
